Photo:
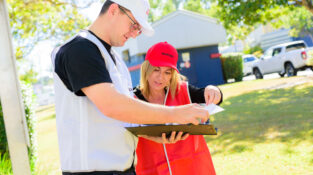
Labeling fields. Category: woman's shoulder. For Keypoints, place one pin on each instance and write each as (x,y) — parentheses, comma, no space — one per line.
(138,93)
(136,90)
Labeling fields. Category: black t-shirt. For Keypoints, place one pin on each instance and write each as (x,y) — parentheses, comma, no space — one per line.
(196,94)
(80,64)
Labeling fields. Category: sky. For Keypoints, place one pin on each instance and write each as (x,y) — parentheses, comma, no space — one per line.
(39,58)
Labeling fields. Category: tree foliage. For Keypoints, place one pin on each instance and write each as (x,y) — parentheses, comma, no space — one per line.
(299,21)
(32,21)
(242,14)
(161,8)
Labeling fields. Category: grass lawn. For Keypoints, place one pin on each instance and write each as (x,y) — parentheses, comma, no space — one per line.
(264,130)
(48,152)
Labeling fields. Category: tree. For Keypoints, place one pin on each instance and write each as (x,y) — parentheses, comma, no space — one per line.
(32,21)
(242,15)
(235,32)
(198,6)
(161,8)
(242,12)
(299,21)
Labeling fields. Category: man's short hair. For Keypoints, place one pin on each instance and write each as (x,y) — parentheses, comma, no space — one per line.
(106,6)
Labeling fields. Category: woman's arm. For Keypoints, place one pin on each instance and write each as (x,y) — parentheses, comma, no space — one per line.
(209,94)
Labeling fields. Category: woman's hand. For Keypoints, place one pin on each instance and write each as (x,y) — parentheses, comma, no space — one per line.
(172,139)
(212,95)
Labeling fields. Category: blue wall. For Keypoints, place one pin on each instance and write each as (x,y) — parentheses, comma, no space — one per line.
(203,71)
(135,75)
(306,39)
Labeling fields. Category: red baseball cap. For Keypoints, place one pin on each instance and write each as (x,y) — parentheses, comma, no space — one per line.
(162,54)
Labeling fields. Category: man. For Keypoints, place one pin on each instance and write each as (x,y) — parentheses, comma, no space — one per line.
(94,98)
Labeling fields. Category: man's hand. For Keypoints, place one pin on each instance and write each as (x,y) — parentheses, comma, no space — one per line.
(212,95)
(191,113)
(172,139)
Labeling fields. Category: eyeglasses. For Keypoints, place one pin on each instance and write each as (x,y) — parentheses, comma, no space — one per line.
(135,26)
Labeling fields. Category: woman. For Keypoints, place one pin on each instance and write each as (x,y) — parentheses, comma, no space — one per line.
(160,83)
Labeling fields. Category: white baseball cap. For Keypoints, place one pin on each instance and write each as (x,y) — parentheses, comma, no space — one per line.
(140,10)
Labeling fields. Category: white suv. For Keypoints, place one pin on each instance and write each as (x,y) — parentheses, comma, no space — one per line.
(248,61)
(283,59)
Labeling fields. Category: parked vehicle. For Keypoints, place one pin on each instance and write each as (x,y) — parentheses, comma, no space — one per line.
(287,58)
(310,58)
(248,61)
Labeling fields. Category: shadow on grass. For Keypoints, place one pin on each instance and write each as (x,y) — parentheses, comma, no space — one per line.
(283,115)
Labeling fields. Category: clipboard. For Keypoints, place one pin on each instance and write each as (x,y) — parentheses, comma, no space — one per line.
(157,130)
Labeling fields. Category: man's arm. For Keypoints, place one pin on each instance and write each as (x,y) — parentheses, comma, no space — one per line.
(124,108)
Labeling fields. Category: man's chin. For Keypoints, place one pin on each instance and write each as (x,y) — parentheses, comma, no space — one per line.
(119,44)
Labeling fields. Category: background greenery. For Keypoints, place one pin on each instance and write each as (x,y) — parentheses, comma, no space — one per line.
(33,21)
(232,64)
(29,105)
(265,131)
(266,128)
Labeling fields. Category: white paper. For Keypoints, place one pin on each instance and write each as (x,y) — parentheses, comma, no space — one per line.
(212,108)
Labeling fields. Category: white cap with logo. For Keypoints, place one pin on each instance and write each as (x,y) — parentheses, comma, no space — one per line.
(140,10)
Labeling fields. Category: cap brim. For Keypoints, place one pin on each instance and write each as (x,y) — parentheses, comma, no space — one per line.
(157,64)
(146,27)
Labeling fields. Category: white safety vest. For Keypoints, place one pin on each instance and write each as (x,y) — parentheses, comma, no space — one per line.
(89,140)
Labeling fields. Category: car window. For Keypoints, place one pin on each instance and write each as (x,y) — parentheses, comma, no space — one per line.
(276,51)
(295,47)
(268,53)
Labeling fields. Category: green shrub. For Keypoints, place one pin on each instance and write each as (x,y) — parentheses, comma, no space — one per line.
(252,50)
(3,138)
(29,102)
(232,66)
(255,50)
(5,163)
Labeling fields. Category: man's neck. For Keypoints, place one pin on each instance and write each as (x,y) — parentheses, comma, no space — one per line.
(101,30)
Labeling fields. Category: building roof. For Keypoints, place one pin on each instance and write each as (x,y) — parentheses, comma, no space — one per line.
(182,29)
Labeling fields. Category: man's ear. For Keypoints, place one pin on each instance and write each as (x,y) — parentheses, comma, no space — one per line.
(113,9)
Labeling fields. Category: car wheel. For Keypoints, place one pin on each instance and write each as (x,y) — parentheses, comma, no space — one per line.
(290,70)
(257,73)
(281,74)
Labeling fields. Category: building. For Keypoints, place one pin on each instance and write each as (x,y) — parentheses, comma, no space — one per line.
(266,36)
(195,36)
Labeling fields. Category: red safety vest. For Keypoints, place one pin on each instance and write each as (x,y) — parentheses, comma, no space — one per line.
(186,157)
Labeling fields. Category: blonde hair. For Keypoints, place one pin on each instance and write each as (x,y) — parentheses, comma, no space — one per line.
(145,72)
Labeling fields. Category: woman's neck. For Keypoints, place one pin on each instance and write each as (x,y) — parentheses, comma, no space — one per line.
(156,97)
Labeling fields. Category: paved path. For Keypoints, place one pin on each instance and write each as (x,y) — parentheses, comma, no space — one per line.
(307,72)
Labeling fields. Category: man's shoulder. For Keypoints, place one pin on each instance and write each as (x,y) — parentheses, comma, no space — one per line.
(78,45)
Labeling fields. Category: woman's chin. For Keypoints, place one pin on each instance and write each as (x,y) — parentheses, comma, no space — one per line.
(157,88)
